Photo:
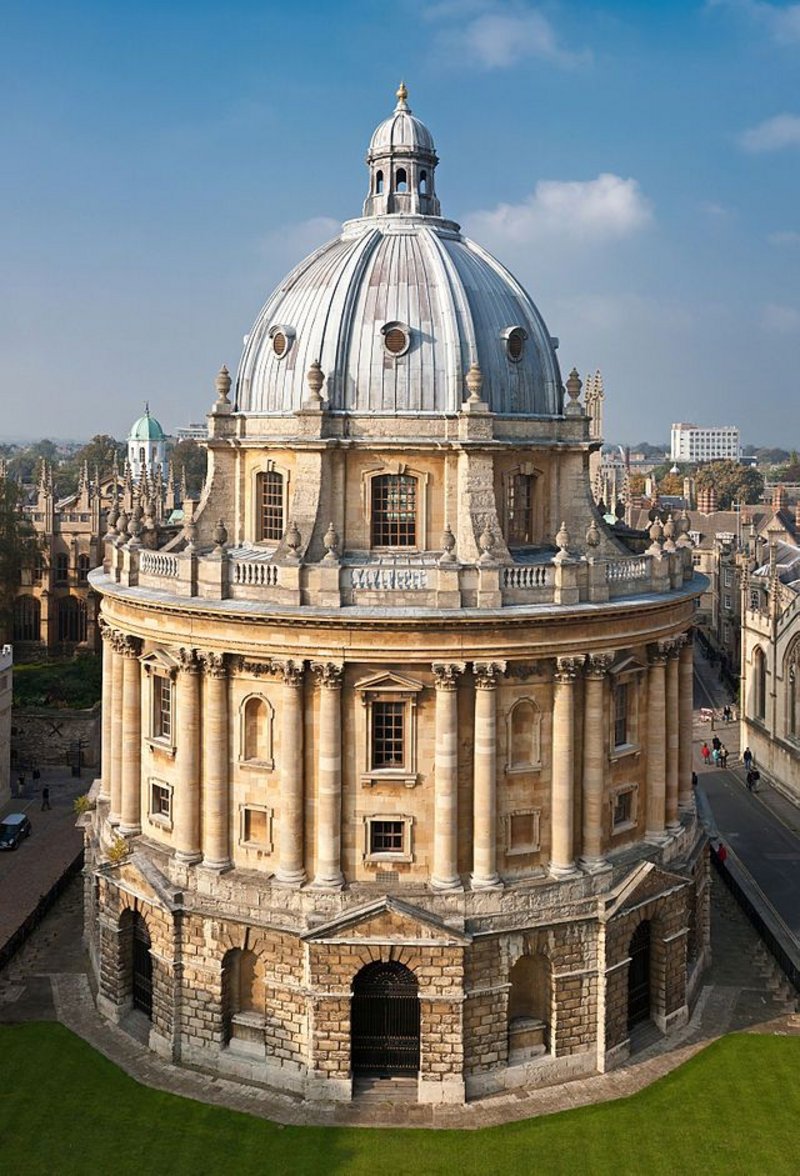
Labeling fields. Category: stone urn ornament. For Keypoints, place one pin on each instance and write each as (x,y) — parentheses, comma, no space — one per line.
(448,545)
(330,541)
(220,534)
(593,536)
(293,541)
(486,544)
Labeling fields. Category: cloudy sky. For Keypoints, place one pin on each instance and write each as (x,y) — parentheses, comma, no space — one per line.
(636,165)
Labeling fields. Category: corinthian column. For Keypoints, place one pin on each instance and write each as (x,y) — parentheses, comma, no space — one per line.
(216,785)
(673,725)
(484,852)
(115,806)
(445,798)
(686,707)
(108,685)
(187,726)
(594,755)
(656,738)
(131,800)
(291,866)
(562,854)
(329,796)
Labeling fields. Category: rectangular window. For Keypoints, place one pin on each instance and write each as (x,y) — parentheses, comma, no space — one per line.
(623,808)
(270,519)
(255,825)
(520,510)
(388,735)
(162,708)
(394,511)
(160,800)
(620,714)
(386,837)
(727,602)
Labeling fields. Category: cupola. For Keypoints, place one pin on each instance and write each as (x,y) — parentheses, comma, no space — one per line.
(402,160)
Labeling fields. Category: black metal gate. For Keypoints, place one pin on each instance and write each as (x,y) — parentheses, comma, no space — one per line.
(639,976)
(384,1020)
(142,968)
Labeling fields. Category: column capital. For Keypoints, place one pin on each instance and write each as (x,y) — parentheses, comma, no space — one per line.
(329,674)
(446,674)
(214,664)
(188,661)
(125,644)
(658,652)
(568,668)
(105,629)
(486,673)
(289,671)
(598,664)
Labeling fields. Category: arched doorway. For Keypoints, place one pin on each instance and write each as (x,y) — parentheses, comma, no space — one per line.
(384,1020)
(639,976)
(141,966)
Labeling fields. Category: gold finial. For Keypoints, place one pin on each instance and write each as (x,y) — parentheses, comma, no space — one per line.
(402,94)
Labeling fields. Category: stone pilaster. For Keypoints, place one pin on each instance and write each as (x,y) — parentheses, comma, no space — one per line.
(187,728)
(108,685)
(672,736)
(131,768)
(445,799)
(656,744)
(594,758)
(216,753)
(291,865)
(562,855)
(484,854)
(329,774)
(115,789)
(686,708)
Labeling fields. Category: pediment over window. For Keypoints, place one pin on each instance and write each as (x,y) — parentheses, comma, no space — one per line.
(644,882)
(388,921)
(388,683)
(160,659)
(627,663)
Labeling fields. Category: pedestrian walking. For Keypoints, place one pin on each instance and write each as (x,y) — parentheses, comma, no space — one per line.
(45,798)
(753,777)
(715,755)
(747,758)
(723,756)
(694,779)
(716,743)
(20,783)
(705,752)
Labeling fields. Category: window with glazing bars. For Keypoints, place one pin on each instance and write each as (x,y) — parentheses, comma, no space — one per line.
(162,708)
(394,511)
(386,836)
(388,731)
(270,521)
(520,509)
(620,714)
(623,808)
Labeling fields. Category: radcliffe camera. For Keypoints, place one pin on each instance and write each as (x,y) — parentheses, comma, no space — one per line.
(389,739)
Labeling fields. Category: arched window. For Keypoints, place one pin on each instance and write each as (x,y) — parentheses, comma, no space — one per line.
(394,510)
(142,456)
(270,524)
(243,995)
(379,183)
(256,730)
(423,183)
(791,701)
(83,568)
(760,684)
(401,180)
(62,568)
(27,619)
(529,1007)
(519,509)
(385,1020)
(524,735)
(72,620)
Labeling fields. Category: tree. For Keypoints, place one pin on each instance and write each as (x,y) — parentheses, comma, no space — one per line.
(733,482)
(671,484)
(18,548)
(193,458)
(99,453)
(636,484)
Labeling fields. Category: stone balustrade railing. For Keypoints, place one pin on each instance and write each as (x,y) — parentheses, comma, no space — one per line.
(255,576)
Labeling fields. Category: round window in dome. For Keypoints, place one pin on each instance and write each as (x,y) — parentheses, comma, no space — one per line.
(396,338)
(279,344)
(515,344)
(282,338)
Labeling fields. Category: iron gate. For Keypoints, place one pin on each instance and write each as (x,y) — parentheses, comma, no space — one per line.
(384,1020)
(639,976)
(142,968)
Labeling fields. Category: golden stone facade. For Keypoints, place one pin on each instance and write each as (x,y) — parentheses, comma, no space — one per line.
(397,729)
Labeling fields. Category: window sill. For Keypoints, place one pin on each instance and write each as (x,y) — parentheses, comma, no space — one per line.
(521,769)
(252,765)
(623,827)
(377,858)
(260,846)
(523,849)
(159,822)
(162,746)
(390,776)
(623,750)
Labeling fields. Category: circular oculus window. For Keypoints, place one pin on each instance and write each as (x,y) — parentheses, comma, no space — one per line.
(396,338)
(279,344)
(515,345)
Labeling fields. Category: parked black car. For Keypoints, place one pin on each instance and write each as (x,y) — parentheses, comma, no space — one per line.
(13,829)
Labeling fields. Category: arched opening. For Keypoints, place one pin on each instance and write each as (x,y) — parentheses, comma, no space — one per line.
(423,183)
(384,1020)
(525,735)
(528,1007)
(256,730)
(639,975)
(72,620)
(142,456)
(394,510)
(135,945)
(401,180)
(379,183)
(27,619)
(243,996)
(83,569)
(270,507)
(760,684)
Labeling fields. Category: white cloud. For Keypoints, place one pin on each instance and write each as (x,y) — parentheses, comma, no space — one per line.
(782,22)
(712,208)
(589,211)
(495,35)
(291,243)
(783,130)
(784,237)
(780,320)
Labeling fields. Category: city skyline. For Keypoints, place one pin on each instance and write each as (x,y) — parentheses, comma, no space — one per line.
(173,164)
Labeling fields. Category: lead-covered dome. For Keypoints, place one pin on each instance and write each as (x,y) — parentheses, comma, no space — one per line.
(399,306)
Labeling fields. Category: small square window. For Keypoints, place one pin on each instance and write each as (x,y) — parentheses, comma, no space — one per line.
(522,831)
(161,803)
(255,830)
(387,838)
(624,808)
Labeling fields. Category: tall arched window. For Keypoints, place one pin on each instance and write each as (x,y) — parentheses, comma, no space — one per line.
(83,568)
(423,183)
(760,684)
(257,718)
(62,568)
(394,511)
(270,522)
(519,509)
(401,180)
(72,620)
(379,183)
(27,619)
(791,701)
(524,735)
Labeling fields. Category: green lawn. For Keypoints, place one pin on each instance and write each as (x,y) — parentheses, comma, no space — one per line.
(735,1108)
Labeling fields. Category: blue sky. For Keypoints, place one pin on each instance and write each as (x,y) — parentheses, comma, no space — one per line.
(636,165)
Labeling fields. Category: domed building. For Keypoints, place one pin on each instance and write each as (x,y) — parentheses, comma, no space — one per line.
(397,733)
(147,447)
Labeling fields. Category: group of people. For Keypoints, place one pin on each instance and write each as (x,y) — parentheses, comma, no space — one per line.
(717,753)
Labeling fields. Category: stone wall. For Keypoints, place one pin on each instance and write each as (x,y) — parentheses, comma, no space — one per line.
(46,736)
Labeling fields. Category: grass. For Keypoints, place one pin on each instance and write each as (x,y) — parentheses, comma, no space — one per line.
(74,682)
(64,1109)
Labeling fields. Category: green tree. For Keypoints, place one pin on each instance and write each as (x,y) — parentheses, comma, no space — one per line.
(18,547)
(98,453)
(733,482)
(193,458)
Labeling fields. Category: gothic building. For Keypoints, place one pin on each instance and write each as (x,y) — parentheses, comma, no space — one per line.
(397,733)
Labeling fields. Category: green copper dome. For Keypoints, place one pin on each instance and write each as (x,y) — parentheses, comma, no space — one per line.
(146,428)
